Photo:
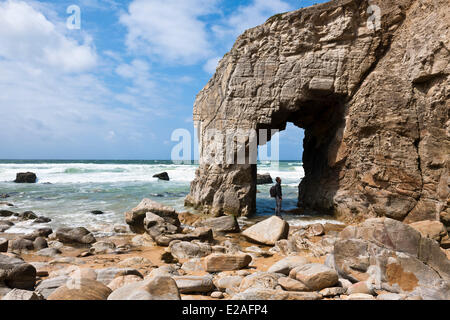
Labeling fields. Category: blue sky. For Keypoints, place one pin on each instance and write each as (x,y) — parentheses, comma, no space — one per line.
(117,87)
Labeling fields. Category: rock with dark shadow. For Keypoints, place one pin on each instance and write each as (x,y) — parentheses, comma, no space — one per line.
(26,177)
(162,176)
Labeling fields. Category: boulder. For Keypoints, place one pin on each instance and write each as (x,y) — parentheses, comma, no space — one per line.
(201,234)
(194,284)
(121,281)
(430,229)
(394,256)
(81,289)
(25,177)
(40,243)
(106,275)
(135,217)
(22,295)
(27,215)
(4,195)
(78,235)
(42,220)
(285,265)
(3,245)
(332,292)
(264,178)
(315,276)
(290,284)
(262,280)
(49,252)
(97,212)
(48,286)
(21,244)
(135,262)
(157,226)
(187,250)
(228,283)
(226,262)
(361,287)
(155,288)
(6,213)
(103,247)
(16,273)
(268,231)
(225,224)
(162,176)
(41,232)
(193,265)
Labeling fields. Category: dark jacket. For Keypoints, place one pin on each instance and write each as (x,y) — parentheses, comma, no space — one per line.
(279,193)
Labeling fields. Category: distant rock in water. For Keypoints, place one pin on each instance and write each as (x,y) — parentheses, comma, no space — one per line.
(26,177)
(4,196)
(162,176)
(264,179)
(97,212)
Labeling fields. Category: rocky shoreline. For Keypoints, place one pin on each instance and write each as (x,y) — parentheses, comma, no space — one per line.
(169,255)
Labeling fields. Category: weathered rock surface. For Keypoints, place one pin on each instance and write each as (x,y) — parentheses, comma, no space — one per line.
(23,295)
(394,257)
(285,265)
(48,286)
(157,288)
(81,289)
(78,235)
(3,245)
(226,262)
(135,217)
(226,224)
(194,284)
(268,231)
(430,229)
(271,294)
(187,250)
(25,177)
(16,273)
(373,101)
(315,276)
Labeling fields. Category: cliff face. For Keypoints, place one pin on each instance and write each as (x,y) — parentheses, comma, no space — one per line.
(374,104)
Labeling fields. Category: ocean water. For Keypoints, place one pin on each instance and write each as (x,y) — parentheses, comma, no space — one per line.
(67,191)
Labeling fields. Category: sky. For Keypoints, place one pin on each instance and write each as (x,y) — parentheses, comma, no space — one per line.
(121,83)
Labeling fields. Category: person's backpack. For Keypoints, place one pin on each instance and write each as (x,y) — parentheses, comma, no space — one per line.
(273,191)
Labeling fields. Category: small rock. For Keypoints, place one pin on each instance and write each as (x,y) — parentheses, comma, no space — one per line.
(285,265)
(265,280)
(360,296)
(268,231)
(314,230)
(194,284)
(40,243)
(332,292)
(47,286)
(187,250)
(121,281)
(226,224)
(42,220)
(107,275)
(41,232)
(75,235)
(27,215)
(97,212)
(224,262)
(162,176)
(81,289)
(264,178)
(315,276)
(27,177)
(193,265)
(290,284)
(4,196)
(390,296)
(361,287)
(21,244)
(217,295)
(120,228)
(157,288)
(24,295)
(135,261)
(103,247)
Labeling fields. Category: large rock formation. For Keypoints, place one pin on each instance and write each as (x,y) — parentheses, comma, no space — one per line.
(373,100)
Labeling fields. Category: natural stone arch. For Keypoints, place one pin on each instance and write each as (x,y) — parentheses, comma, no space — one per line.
(372,110)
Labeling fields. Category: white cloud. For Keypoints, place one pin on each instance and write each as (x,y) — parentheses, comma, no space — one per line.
(171,29)
(252,15)
(26,35)
(211,65)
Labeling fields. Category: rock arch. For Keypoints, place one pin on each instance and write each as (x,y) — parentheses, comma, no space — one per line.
(374,105)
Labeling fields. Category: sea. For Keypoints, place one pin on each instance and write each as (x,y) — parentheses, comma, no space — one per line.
(68,190)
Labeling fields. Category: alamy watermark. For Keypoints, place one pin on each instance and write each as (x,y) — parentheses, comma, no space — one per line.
(226,147)
(73,22)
